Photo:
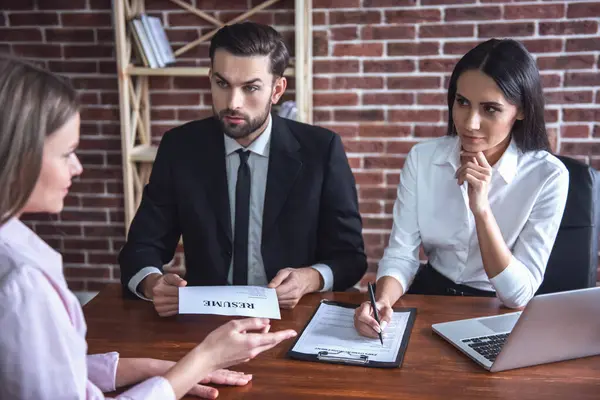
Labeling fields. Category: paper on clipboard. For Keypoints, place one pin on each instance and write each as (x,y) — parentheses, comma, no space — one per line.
(331,333)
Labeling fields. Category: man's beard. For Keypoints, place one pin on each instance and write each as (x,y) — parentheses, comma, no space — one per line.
(245,129)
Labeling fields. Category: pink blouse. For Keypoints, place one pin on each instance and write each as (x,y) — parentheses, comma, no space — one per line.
(42,330)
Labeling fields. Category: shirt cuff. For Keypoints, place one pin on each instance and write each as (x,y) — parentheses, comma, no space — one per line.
(102,370)
(135,281)
(396,273)
(326,274)
(513,284)
(157,388)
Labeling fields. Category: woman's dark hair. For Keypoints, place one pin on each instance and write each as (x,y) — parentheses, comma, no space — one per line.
(515,72)
(252,39)
(35,104)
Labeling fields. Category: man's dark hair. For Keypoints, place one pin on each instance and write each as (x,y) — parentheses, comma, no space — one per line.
(252,39)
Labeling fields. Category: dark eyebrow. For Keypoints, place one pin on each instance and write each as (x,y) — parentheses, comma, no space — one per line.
(485,103)
(245,83)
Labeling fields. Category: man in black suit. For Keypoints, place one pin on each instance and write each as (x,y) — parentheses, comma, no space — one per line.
(258,199)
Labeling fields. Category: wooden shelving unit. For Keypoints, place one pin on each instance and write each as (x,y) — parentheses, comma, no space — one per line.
(134,98)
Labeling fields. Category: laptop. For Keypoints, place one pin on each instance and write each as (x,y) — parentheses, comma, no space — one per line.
(553,327)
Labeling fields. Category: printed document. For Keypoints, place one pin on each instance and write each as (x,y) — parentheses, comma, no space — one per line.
(247,301)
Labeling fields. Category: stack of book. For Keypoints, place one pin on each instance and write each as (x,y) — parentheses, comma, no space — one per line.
(151,40)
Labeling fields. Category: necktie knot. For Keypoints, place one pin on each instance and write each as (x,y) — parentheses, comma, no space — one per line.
(244,154)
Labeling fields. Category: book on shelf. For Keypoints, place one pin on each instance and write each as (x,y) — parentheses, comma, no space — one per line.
(151,41)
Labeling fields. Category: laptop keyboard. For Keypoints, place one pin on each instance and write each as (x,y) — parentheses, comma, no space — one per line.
(487,346)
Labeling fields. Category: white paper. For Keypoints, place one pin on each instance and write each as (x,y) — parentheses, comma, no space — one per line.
(332,330)
(247,301)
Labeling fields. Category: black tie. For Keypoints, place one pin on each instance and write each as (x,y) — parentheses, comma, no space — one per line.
(242,218)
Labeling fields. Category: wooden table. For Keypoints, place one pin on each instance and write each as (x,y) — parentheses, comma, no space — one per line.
(432,368)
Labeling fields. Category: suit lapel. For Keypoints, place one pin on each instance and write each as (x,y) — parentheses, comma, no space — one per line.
(217,190)
(284,166)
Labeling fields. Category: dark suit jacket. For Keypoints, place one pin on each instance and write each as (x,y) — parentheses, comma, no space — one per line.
(310,212)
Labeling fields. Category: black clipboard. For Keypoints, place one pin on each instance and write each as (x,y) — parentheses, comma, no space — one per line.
(345,357)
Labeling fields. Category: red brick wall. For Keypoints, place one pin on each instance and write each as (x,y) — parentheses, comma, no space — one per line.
(380,69)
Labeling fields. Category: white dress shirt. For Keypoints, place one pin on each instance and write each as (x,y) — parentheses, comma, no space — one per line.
(527,195)
(258,161)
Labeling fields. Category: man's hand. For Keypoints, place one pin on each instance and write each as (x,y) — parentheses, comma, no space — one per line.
(293,283)
(163,290)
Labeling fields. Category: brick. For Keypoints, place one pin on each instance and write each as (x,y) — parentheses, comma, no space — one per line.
(506,30)
(320,44)
(344,33)
(181,35)
(543,45)
(568,28)
(86,187)
(89,98)
(186,19)
(414,115)
(262,17)
(570,97)
(95,82)
(368,178)
(376,193)
(584,44)
(538,11)
(581,114)
(2,20)
(473,13)
(100,4)
(187,83)
(388,98)
(87,215)
(430,130)
(91,159)
(598,97)
(432,99)
(48,229)
(354,17)
(103,201)
(319,18)
(583,10)
(446,30)
(87,51)
(445,65)
(94,114)
(33,19)
(286,18)
(460,48)
(171,99)
(335,99)
(412,16)
(413,82)
(38,50)
(62,5)
(355,162)
(87,272)
(550,115)
(388,66)
(575,131)
(190,115)
(69,35)
(386,32)
(358,50)
(363,146)
(17,5)
(579,61)
(448,2)
(596,133)
(392,178)
(335,4)
(335,66)
(162,114)
(320,83)
(384,130)
(282,4)
(579,148)
(68,257)
(105,36)
(95,19)
(357,82)
(550,80)
(582,78)
(322,115)
(409,49)
(20,35)
(377,223)
(400,147)
(100,144)
(384,162)
(389,3)
(348,130)
(358,115)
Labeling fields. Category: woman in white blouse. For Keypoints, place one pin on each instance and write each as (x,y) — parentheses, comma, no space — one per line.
(42,344)
(486,200)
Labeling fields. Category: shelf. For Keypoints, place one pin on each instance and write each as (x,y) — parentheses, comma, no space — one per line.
(143,153)
(179,71)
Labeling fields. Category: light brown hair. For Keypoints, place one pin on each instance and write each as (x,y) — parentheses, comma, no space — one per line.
(34,103)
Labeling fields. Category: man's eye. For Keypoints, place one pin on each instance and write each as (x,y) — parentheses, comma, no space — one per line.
(222,84)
